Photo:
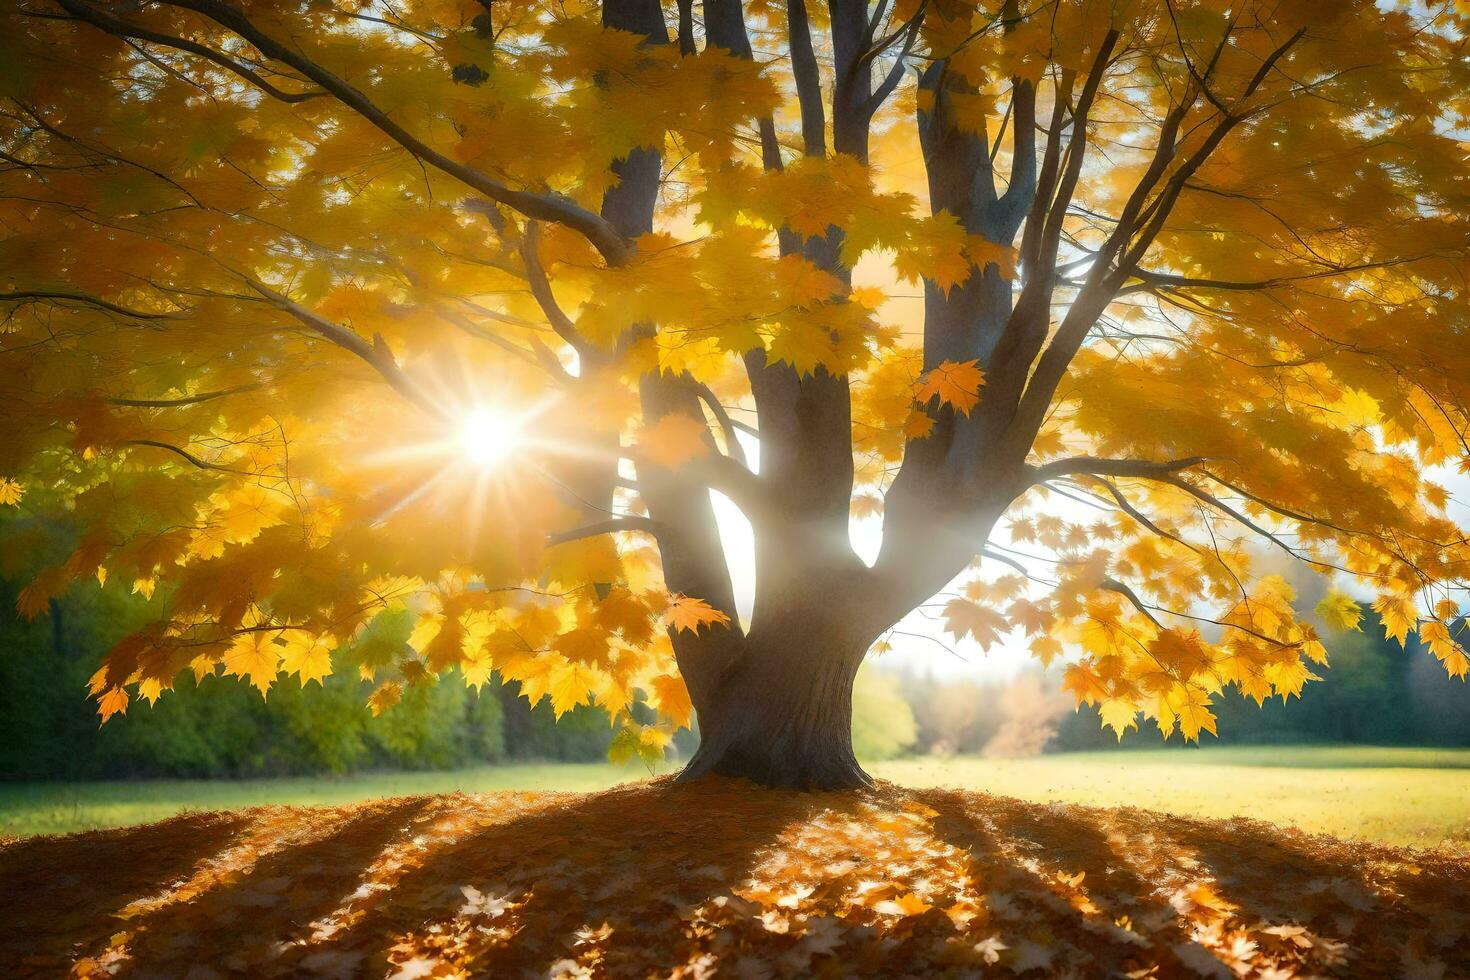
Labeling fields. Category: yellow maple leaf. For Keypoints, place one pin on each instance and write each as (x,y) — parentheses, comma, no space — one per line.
(918,425)
(10,491)
(308,657)
(249,511)
(1436,636)
(570,685)
(965,618)
(113,701)
(150,689)
(1195,714)
(575,563)
(256,657)
(1083,681)
(956,384)
(687,613)
(585,646)
(1034,618)
(1340,611)
(622,612)
(1180,651)
(385,697)
(804,283)
(532,671)
(1119,715)
(475,673)
(671,697)
(1359,407)
(802,344)
(1046,649)
(1398,613)
(1289,676)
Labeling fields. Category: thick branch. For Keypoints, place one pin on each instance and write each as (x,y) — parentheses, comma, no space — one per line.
(808,80)
(85,300)
(376,353)
(121,28)
(190,457)
(545,298)
(1042,247)
(1022,188)
(613,526)
(1126,507)
(1148,280)
(1096,466)
(1105,280)
(1122,589)
(727,424)
(546,207)
(539,354)
(910,34)
(686,28)
(204,396)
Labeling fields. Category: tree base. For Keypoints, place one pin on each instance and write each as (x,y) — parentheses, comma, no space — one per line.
(778,766)
(783,718)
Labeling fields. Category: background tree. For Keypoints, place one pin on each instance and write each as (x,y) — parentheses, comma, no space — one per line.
(333,313)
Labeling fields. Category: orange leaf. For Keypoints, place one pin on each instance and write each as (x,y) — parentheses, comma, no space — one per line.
(113,702)
(956,384)
(672,698)
(686,613)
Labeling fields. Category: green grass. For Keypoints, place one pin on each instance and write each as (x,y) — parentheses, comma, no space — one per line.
(63,808)
(1399,796)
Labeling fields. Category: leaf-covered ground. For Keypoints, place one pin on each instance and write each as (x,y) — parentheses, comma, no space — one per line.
(718,879)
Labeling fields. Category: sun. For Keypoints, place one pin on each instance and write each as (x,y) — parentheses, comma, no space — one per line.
(487,437)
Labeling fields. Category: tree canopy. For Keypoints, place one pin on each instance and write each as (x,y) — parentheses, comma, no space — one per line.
(318,313)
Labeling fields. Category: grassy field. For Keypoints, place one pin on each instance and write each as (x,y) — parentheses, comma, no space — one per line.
(1400,796)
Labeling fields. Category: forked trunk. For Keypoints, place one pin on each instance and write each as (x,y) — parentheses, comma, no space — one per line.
(783,715)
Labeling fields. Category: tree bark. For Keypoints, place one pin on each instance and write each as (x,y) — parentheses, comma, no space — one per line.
(782,717)
(775,704)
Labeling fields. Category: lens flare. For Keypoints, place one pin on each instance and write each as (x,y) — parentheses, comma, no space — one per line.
(488,437)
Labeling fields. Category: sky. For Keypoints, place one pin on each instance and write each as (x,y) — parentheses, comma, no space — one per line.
(920,642)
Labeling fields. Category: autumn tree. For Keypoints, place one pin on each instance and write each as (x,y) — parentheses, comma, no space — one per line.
(396,338)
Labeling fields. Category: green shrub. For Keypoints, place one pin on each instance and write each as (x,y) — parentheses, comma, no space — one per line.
(883,725)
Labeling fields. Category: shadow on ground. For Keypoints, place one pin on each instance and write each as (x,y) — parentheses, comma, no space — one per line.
(720,879)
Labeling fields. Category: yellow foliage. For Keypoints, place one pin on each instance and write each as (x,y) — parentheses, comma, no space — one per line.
(955,385)
(1340,611)
(254,656)
(244,342)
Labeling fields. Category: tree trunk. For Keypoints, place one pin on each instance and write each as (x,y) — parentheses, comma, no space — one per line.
(782,716)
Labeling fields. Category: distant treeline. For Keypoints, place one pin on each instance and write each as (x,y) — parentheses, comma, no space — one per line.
(1374,692)
(221,727)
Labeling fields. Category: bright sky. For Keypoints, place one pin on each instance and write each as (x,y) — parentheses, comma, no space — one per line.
(919,641)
